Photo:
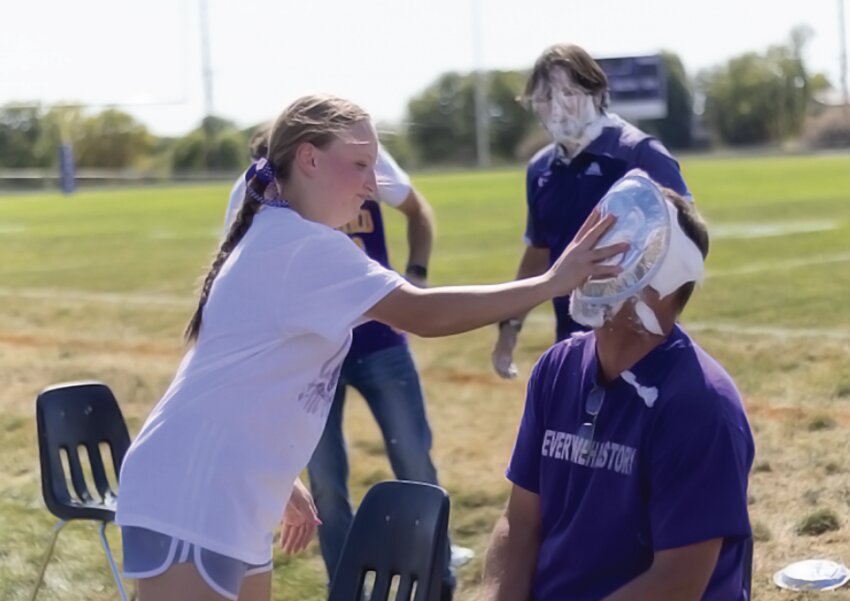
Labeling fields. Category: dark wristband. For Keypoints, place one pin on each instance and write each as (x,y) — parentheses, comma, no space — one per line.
(418,271)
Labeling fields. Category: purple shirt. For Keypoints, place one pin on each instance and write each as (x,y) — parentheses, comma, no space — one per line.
(367,231)
(667,467)
(561,194)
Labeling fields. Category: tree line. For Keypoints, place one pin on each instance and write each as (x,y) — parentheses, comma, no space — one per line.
(757,98)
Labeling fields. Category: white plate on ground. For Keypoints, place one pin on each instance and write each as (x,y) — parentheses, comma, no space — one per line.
(812,575)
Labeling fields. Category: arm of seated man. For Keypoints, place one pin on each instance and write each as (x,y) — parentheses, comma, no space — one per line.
(512,556)
(680,574)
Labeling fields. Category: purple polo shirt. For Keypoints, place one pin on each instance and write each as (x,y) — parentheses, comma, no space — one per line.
(667,467)
(367,231)
(561,194)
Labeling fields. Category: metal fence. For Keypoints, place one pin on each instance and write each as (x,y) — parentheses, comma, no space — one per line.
(48,180)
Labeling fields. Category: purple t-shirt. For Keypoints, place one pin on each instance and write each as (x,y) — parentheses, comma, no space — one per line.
(667,467)
(367,231)
(561,194)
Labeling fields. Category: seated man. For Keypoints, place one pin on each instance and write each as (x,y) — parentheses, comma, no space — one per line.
(630,466)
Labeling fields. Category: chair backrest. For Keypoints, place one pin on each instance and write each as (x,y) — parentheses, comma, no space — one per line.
(748,568)
(72,417)
(400,533)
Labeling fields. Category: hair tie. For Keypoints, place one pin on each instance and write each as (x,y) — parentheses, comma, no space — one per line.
(262,170)
(264,173)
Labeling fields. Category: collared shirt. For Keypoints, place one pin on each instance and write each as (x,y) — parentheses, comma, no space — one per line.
(561,193)
(667,467)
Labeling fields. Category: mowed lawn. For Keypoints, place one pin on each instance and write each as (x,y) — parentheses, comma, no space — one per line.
(100,284)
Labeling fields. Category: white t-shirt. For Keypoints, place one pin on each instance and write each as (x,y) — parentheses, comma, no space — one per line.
(215,461)
(393,182)
(393,186)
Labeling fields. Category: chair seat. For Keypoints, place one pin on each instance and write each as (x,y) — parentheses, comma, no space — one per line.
(85,510)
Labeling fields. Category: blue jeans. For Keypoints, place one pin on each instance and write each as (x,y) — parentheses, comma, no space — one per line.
(389,382)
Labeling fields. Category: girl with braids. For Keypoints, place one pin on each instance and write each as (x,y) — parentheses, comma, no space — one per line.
(205,482)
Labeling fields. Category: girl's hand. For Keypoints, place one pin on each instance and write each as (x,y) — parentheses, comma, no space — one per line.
(299,522)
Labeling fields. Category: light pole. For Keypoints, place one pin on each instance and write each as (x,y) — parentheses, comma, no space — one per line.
(206,62)
(842,40)
(482,105)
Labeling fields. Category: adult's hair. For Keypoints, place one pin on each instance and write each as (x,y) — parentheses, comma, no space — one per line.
(579,66)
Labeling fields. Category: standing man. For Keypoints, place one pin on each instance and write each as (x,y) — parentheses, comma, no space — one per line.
(381,368)
(379,365)
(590,150)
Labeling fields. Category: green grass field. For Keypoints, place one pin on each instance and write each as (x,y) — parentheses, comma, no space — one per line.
(99,285)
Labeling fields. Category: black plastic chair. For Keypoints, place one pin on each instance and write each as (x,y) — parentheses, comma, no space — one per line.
(71,417)
(400,532)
